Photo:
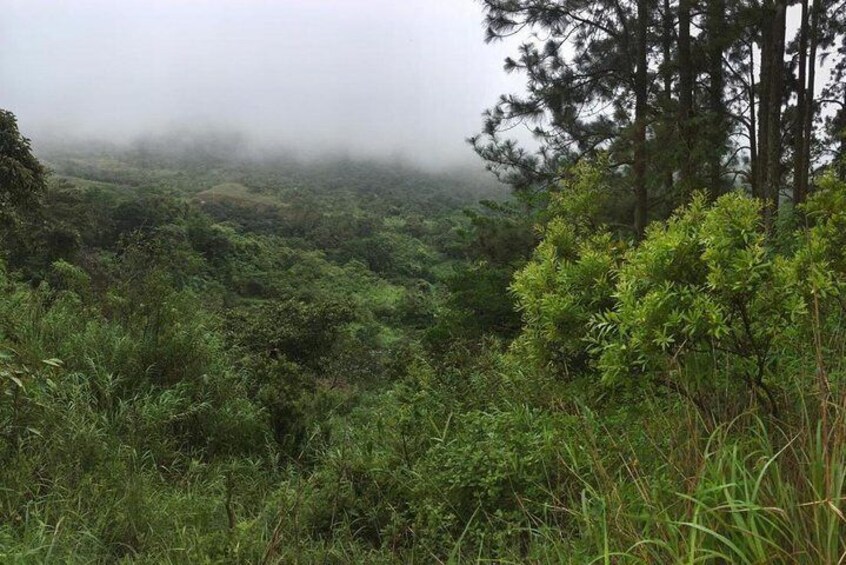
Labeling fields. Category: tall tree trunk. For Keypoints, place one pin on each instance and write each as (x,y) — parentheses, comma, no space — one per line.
(776,95)
(799,124)
(641,92)
(685,94)
(842,166)
(716,107)
(753,125)
(810,107)
(764,87)
(667,40)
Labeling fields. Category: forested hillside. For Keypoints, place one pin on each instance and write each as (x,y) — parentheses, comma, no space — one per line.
(626,345)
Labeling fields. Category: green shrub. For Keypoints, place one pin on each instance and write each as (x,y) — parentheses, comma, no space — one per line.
(570,277)
(821,256)
(569,280)
(489,476)
(700,287)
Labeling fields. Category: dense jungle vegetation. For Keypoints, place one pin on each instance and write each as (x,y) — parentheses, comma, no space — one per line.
(637,355)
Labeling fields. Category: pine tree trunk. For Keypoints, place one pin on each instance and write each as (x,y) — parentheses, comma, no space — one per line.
(764,87)
(842,166)
(808,113)
(753,124)
(685,94)
(716,23)
(667,40)
(799,124)
(776,95)
(641,93)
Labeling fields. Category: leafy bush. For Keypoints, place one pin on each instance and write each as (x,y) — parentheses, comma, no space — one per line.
(571,275)
(489,475)
(821,257)
(569,280)
(703,285)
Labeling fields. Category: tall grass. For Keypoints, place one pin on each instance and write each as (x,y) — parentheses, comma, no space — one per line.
(755,491)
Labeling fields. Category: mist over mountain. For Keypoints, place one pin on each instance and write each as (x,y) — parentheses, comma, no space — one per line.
(399,79)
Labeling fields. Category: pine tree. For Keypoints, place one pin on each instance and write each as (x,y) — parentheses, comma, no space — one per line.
(683,95)
(589,90)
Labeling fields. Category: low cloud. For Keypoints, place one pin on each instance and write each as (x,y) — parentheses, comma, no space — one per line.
(371,78)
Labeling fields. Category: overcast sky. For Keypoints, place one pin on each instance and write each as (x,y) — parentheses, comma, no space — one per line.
(401,78)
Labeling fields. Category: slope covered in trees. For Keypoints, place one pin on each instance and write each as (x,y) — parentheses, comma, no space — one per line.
(638,358)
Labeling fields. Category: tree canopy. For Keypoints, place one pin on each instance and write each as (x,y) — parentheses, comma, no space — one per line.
(22,177)
(682,95)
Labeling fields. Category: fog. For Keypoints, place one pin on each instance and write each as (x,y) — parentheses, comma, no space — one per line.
(405,79)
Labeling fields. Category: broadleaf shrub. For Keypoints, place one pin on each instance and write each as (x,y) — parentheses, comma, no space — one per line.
(707,300)
(702,286)
(570,278)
